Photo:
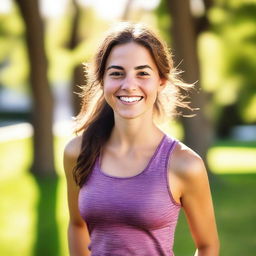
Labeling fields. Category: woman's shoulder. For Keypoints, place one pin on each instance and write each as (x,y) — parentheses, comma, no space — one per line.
(186,163)
(73,148)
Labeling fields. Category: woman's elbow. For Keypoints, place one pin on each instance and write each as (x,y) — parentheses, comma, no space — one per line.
(210,249)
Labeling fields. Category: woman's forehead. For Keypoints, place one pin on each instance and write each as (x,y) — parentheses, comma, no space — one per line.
(130,53)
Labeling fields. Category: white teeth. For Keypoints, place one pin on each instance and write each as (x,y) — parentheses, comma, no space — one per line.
(130,99)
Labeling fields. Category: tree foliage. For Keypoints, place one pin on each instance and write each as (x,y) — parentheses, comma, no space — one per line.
(227,60)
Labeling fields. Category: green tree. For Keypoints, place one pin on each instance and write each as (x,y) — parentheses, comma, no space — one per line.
(43,159)
(184,30)
(234,25)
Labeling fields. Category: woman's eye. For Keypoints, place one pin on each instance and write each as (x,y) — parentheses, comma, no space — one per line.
(143,73)
(116,74)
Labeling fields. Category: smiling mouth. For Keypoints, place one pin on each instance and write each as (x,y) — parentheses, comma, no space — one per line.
(130,99)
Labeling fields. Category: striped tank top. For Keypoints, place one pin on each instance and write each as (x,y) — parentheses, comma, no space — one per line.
(131,216)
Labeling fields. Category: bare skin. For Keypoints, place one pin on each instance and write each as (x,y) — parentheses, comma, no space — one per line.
(78,236)
(133,140)
(189,186)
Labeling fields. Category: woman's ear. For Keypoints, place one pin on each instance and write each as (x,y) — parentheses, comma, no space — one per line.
(163,83)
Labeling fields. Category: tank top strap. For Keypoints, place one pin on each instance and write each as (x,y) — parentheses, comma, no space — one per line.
(163,154)
(169,145)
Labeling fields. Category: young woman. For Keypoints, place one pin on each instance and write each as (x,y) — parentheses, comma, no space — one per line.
(127,180)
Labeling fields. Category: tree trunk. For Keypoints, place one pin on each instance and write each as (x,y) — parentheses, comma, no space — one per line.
(43,159)
(198,129)
(78,72)
(127,10)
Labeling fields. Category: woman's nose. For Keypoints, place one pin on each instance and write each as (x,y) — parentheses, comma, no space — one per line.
(129,83)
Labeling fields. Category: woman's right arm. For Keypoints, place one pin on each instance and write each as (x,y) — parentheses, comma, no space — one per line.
(78,236)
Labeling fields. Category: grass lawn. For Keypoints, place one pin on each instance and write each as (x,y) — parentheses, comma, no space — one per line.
(33,213)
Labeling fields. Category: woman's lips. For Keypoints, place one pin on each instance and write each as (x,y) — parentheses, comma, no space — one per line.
(130,99)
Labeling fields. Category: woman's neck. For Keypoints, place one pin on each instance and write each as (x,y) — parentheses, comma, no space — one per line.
(130,133)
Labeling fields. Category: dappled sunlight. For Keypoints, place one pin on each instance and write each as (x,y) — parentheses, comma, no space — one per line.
(18,215)
(173,128)
(211,58)
(228,92)
(232,160)
(28,207)
(15,158)
(249,113)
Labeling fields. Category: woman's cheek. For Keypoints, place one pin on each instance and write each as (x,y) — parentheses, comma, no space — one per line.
(110,89)
(111,85)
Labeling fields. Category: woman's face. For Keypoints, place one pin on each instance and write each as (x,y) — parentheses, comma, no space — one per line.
(131,81)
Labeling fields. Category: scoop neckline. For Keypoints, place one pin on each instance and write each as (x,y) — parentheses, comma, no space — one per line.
(140,173)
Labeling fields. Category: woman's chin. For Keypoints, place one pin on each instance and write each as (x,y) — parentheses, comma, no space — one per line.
(131,115)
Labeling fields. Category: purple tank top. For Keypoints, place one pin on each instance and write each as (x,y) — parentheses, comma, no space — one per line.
(131,216)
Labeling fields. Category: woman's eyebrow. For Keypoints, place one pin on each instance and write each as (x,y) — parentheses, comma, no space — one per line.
(115,67)
(142,67)
(136,68)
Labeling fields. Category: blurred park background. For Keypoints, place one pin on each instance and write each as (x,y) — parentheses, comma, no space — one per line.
(42,46)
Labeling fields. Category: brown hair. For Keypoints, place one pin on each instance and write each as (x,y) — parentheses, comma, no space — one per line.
(96,118)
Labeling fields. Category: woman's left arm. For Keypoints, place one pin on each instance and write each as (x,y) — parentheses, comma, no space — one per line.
(197,203)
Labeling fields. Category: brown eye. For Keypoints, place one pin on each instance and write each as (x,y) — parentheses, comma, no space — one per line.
(143,73)
(116,74)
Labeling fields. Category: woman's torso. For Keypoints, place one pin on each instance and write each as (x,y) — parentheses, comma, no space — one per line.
(134,215)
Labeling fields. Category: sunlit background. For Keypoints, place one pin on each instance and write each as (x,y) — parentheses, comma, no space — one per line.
(33,206)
